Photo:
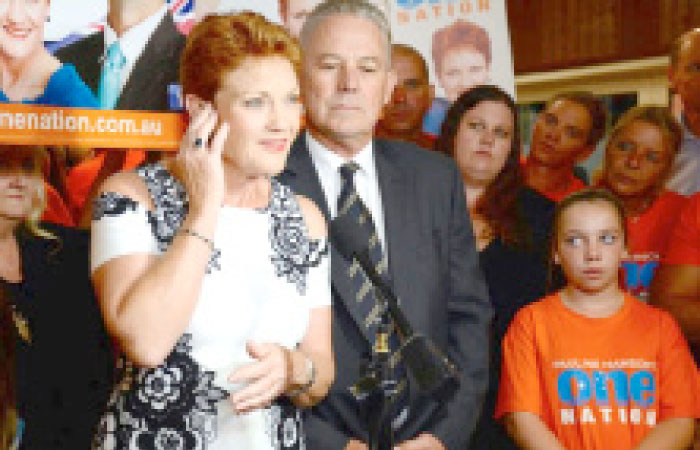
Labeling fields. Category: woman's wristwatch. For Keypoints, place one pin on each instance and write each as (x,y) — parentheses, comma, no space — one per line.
(311,377)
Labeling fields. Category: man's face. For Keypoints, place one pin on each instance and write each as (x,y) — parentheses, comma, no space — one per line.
(461,69)
(411,97)
(561,134)
(297,10)
(346,79)
(685,76)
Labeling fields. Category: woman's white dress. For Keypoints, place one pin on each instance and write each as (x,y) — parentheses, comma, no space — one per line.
(262,280)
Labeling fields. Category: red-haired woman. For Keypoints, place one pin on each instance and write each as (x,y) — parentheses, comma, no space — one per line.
(213,277)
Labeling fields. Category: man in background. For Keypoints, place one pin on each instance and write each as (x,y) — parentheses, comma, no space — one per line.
(684,76)
(402,118)
(421,238)
(135,61)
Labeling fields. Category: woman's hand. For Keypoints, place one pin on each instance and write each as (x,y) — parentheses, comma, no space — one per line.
(198,164)
(266,378)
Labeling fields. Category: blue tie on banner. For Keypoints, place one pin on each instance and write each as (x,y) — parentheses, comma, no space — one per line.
(110,80)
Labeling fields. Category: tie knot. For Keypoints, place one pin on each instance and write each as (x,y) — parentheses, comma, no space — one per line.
(114,58)
(347,170)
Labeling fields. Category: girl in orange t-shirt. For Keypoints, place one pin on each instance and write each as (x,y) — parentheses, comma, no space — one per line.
(590,367)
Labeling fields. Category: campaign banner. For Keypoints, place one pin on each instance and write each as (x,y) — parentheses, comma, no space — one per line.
(75,127)
(465,43)
(89,59)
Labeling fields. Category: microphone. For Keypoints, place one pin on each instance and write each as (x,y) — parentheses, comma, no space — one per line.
(433,372)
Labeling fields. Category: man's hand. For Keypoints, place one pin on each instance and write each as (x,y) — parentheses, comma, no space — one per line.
(424,441)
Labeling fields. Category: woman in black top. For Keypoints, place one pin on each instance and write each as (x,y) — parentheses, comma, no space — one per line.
(511,222)
(63,363)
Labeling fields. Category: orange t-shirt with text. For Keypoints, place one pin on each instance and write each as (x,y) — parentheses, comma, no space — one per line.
(597,381)
(684,243)
(648,238)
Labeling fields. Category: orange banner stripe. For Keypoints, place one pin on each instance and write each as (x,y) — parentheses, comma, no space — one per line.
(79,127)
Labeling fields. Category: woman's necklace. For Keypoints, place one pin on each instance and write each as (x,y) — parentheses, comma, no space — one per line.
(21,325)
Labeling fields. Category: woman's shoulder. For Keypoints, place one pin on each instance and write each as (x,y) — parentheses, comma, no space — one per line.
(130,185)
(66,88)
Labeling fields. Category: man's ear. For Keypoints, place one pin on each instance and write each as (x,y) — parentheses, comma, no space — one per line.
(555,258)
(431,93)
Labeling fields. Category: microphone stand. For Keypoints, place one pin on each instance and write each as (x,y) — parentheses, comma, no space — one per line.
(377,387)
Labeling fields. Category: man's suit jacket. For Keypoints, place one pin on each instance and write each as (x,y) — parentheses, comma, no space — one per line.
(434,269)
(157,67)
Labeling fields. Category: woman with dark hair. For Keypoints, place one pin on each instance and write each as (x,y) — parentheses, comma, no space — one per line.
(510,221)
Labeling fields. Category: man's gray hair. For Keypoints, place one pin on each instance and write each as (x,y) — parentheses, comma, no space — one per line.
(358,8)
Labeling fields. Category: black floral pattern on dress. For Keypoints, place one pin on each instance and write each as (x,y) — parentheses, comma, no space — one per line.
(172,406)
(171,205)
(285,426)
(111,204)
(293,251)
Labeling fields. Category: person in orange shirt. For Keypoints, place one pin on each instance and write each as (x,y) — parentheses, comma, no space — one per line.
(590,367)
(638,159)
(676,286)
(566,132)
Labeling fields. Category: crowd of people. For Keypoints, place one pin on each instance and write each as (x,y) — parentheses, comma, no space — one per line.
(199,301)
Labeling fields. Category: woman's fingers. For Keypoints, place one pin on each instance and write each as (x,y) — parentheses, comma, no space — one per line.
(219,139)
(256,395)
(267,377)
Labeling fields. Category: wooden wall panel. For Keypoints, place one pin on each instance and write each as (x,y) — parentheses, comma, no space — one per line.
(556,34)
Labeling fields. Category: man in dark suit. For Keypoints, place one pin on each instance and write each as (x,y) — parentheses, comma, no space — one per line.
(151,47)
(416,202)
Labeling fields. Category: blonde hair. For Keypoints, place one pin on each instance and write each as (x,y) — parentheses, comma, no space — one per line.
(39,156)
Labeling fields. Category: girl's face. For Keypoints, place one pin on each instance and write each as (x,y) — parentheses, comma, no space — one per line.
(637,160)
(19,184)
(483,141)
(590,245)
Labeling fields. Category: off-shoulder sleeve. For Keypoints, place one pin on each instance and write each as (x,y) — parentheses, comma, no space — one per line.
(120,226)
(318,292)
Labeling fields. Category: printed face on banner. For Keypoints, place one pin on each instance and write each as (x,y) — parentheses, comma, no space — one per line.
(637,160)
(19,182)
(260,101)
(483,141)
(22,27)
(346,76)
(411,97)
(461,69)
(561,133)
(590,245)
(296,13)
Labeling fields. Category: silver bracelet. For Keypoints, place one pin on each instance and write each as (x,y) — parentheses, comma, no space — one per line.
(311,370)
(191,232)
